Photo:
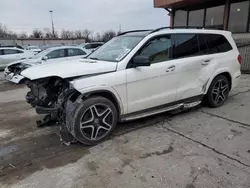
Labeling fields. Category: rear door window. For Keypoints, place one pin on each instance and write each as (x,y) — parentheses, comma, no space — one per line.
(217,43)
(203,44)
(73,52)
(186,45)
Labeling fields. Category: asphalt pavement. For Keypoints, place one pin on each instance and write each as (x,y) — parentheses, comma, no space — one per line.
(203,147)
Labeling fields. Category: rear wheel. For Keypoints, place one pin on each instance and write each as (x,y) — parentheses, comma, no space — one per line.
(95,119)
(218,91)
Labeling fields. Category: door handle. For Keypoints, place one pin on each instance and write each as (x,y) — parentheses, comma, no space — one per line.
(206,62)
(170,69)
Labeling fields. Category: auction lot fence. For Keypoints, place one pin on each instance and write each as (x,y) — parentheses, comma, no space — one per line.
(40,42)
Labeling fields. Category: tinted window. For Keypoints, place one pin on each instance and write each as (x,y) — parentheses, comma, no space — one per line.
(238,17)
(11,51)
(81,52)
(186,45)
(196,18)
(1,52)
(217,43)
(203,44)
(180,18)
(73,52)
(88,46)
(56,54)
(158,49)
(214,17)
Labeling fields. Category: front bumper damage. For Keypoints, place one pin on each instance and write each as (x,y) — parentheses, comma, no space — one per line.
(12,73)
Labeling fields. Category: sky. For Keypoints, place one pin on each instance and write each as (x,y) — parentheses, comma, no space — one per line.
(96,15)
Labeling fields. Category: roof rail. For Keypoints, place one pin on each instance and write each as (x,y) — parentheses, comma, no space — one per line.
(182,27)
(133,31)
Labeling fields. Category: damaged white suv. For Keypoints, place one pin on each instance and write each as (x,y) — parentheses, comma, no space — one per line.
(134,75)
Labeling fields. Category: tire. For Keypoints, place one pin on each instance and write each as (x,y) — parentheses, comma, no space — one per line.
(94,120)
(218,91)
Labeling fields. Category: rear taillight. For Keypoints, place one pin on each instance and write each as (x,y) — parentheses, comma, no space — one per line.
(239,59)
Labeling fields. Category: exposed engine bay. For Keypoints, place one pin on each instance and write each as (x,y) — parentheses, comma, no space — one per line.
(49,97)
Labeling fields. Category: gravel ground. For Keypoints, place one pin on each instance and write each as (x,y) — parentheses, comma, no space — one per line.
(200,148)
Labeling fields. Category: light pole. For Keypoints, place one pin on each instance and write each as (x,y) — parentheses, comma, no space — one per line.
(53,30)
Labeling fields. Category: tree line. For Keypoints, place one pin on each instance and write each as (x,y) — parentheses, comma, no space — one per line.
(86,34)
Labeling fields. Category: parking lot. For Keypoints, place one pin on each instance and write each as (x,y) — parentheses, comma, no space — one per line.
(199,148)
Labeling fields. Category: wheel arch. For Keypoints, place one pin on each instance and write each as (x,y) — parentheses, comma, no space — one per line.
(224,73)
(113,97)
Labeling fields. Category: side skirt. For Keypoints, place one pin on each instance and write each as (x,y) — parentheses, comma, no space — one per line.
(182,104)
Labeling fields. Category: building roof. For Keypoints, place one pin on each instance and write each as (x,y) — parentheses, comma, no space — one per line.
(182,4)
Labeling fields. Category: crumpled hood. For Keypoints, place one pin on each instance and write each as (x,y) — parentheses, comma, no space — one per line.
(31,62)
(68,69)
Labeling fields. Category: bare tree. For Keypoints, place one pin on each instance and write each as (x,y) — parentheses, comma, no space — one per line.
(23,35)
(78,34)
(87,35)
(47,33)
(67,34)
(97,37)
(36,33)
(5,33)
(107,35)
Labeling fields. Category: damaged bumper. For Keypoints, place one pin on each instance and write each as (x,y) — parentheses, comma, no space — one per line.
(12,77)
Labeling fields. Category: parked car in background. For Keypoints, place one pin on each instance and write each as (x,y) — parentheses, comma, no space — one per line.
(11,46)
(35,49)
(135,75)
(10,54)
(50,55)
(90,47)
(50,46)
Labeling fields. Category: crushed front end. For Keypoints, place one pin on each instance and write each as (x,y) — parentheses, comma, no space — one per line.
(49,96)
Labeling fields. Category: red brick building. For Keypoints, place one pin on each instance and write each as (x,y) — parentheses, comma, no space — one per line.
(233,15)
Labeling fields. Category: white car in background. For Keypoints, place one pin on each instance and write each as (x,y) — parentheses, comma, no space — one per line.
(90,47)
(35,49)
(50,55)
(10,54)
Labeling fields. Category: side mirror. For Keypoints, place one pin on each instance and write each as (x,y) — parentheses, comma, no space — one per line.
(141,61)
(45,58)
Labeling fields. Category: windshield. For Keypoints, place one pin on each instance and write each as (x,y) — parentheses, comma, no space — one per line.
(116,49)
(41,54)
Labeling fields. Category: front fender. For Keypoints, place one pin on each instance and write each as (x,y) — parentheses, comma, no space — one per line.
(103,88)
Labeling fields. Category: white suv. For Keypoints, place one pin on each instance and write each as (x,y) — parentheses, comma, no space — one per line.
(136,74)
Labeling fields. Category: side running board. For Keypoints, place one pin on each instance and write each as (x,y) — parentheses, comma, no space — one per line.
(161,110)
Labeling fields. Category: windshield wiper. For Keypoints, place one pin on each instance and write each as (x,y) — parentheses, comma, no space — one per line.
(94,58)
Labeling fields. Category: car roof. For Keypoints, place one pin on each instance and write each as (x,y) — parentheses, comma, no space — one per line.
(63,47)
(11,48)
(145,33)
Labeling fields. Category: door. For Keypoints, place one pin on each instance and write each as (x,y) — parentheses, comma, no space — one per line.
(56,55)
(194,65)
(154,85)
(75,53)
(10,55)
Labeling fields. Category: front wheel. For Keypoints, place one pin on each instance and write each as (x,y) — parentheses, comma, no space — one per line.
(95,119)
(218,91)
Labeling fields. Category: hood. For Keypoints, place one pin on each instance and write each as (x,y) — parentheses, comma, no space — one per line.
(68,69)
(27,61)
